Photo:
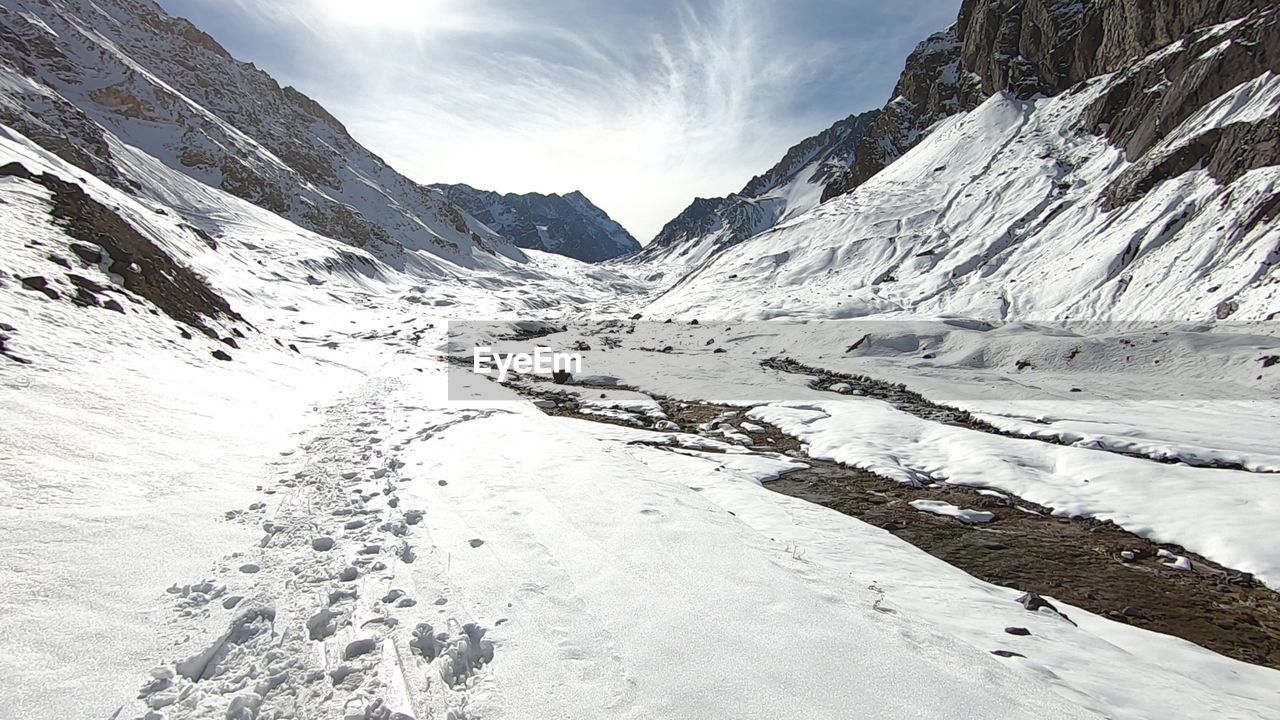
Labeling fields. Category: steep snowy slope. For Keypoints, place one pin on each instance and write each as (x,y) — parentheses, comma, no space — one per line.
(789,188)
(1150,192)
(569,225)
(83,77)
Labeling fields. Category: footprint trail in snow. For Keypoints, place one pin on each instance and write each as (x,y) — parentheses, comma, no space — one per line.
(321,619)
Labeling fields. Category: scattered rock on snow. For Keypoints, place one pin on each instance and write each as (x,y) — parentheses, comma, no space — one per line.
(356,648)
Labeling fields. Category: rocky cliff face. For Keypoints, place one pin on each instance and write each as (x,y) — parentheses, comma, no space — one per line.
(789,188)
(1045,47)
(89,80)
(933,86)
(568,225)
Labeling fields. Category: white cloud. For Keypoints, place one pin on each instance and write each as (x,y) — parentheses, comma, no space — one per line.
(641,108)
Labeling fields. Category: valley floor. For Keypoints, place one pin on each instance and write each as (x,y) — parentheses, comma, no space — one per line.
(363,529)
(340,534)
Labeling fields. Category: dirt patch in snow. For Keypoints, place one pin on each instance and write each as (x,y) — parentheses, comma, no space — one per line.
(145,269)
(1091,564)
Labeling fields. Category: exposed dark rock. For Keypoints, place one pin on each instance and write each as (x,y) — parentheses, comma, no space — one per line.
(221,355)
(568,225)
(89,254)
(38,283)
(1030,47)
(1033,602)
(146,270)
(1017,631)
(1152,98)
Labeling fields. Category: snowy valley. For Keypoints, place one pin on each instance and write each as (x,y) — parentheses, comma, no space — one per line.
(967,407)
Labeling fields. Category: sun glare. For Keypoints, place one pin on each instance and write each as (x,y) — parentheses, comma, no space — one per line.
(406,14)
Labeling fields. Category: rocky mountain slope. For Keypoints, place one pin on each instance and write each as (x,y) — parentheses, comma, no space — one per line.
(569,225)
(1123,165)
(791,187)
(112,85)
(1044,47)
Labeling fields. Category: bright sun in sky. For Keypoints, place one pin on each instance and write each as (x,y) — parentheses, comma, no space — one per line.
(389,13)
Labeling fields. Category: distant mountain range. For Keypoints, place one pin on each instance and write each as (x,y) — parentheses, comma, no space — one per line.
(565,224)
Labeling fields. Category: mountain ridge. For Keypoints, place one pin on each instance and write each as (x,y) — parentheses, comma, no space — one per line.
(567,224)
(1092,181)
(790,187)
(137,77)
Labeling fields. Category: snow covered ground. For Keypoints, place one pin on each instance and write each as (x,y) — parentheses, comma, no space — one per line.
(332,533)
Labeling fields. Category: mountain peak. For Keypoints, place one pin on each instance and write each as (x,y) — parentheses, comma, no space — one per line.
(568,224)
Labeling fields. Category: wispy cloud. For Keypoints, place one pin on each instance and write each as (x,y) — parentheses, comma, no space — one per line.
(641,106)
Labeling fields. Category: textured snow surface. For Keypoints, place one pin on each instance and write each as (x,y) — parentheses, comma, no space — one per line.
(427,556)
(336,523)
(998,214)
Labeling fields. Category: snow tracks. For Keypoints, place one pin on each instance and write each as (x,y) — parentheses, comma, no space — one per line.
(322,619)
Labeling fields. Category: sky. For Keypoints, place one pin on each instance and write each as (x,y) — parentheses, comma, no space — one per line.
(641,105)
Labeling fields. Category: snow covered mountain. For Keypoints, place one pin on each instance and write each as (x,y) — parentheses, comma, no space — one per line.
(569,225)
(1123,166)
(100,81)
(246,470)
(791,187)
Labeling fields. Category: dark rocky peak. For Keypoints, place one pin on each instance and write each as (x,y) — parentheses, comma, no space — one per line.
(933,85)
(834,146)
(568,224)
(1024,46)
(699,218)
(709,225)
